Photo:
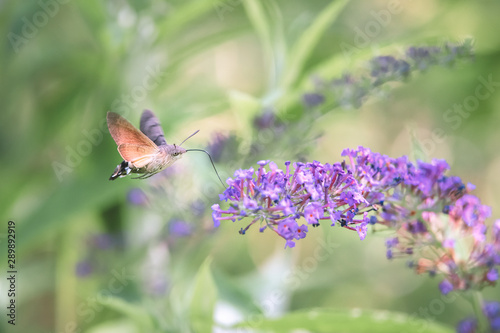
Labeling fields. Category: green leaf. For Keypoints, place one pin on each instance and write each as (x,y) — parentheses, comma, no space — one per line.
(303,48)
(418,150)
(245,108)
(186,53)
(70,199)
(183,15)
(132,311)
(235,293)
(114,326)
(203,300)
(353,321)
(257,16)
(267,21)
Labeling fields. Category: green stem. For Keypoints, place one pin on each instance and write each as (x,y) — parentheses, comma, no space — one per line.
(477,303)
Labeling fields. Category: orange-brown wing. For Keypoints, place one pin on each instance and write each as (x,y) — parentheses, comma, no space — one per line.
(138,155)
(124,132)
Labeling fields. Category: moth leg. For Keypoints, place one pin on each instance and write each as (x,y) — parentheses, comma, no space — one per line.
(144,176)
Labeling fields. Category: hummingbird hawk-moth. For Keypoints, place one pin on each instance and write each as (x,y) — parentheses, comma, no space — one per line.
(145,152)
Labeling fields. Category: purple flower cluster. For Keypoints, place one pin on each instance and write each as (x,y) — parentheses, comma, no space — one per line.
(388,68)
(467,325)
(435,219)
(279,199)
(351,90)
(491,310)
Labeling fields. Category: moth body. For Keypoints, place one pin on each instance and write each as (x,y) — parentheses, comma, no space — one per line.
(166,156)
(144,152)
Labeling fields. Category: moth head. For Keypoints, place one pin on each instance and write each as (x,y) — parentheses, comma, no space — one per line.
(176,151)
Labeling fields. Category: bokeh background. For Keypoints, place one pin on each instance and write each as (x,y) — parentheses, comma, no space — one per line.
(143,256)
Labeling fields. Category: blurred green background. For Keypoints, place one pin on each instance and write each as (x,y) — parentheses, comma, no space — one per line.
(143,256)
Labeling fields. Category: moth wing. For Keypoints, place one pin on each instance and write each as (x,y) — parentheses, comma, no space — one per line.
(124,132)
(138,155)
(150,125)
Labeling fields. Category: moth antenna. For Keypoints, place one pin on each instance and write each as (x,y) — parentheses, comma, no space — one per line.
(211,161)
(189,137)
